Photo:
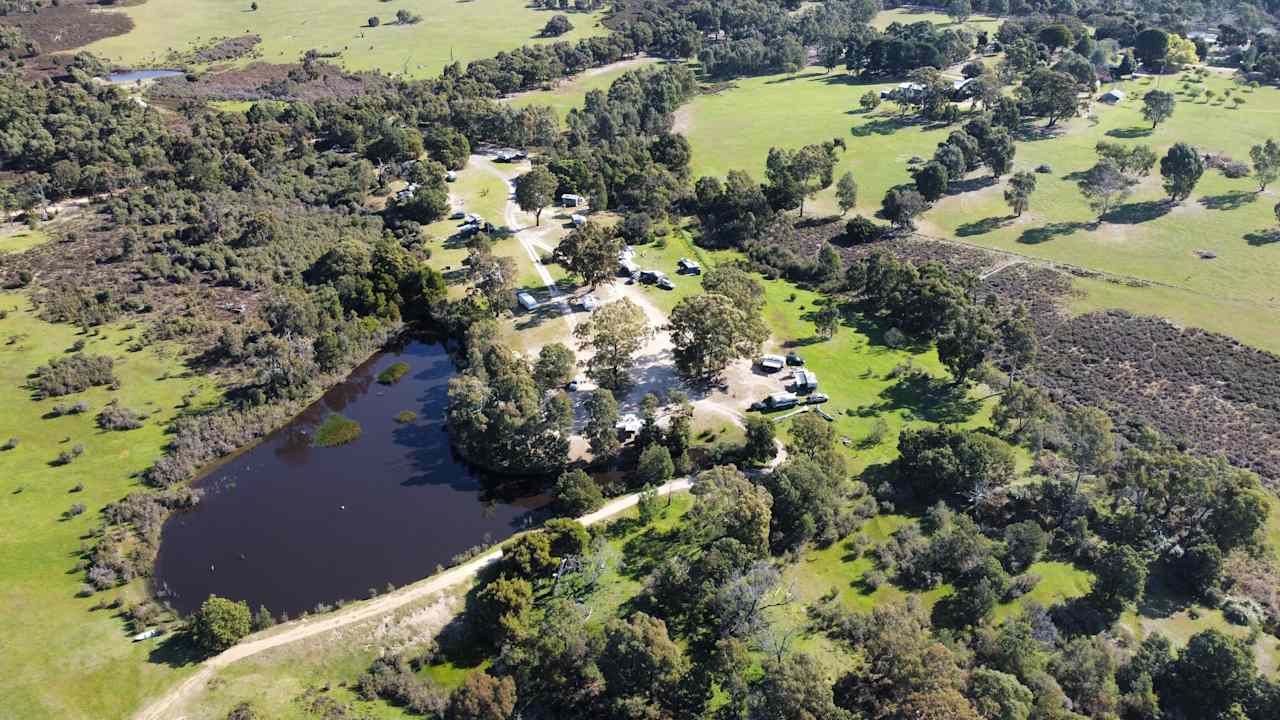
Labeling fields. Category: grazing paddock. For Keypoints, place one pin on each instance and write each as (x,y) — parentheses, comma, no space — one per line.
(84,665)
(449,31)
(1144,238)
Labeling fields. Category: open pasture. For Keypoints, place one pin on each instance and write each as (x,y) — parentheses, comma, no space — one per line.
(449,31)
(84,665)
(1144,238)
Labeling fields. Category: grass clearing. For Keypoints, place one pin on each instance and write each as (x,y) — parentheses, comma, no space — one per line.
(449,31)
(81,663)
(18,238)
(571,93)
(1232,293)
(908,15)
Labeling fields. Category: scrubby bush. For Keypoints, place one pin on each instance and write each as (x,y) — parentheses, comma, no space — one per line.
(337,430)
(404,417)
(115,417)
(392,374)
(577,494)
(72,374)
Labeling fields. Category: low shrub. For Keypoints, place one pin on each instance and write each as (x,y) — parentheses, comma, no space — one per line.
(115,417)
(405,417)
(337,430)
(72,374)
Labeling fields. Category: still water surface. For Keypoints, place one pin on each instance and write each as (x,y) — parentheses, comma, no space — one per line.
(135,75)
(289,525)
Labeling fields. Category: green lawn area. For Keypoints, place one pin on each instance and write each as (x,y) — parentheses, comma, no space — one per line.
(906,16)
(449,31)
(571,93)
(880,143)
(58,658)
(1233,293)
(20,239)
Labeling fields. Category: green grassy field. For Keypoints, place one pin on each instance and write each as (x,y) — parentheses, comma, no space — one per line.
(907,16)
(1234,293)
(880,144)
(449,31)
(19,239)
(570,94)
(59,659)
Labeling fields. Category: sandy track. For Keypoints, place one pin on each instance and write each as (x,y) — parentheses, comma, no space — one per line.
(164,706)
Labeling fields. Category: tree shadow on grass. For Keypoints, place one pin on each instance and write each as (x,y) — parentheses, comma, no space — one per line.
(177,650)
(1138,212)
(983,226)
(1052,231)
(797,76)
(643,552)
(884,126)
(971,184)
(1229,201)
(1263,237)
(932,399)
(1129,133)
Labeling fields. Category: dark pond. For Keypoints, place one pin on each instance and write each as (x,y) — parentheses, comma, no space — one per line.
(289,525)
(135,75)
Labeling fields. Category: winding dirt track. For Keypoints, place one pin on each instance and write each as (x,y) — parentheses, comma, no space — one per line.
(163,707)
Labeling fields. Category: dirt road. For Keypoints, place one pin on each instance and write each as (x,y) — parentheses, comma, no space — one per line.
(164,706)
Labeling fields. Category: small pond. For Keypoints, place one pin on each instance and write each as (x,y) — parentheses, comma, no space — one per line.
(289,525)
(136,75)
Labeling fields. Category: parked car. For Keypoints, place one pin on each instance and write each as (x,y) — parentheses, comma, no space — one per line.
(572,386)
(816,399)
(794,359)
(457,215)
(666,284)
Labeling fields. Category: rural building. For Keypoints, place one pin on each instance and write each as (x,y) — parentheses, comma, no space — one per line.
(527,301)
(963,89)
(1112,96)
(780,400)
(804,381)
(689,266)
(905,91)
(772,363)
(588,303)
(570,200)
(628,426)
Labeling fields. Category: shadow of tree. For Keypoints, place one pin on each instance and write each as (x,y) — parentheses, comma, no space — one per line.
(1052,231)
(982,227)
(1263,237)
(1129,133)
(797,76)
(884,126)
(177,650)
(932,399)
(1138,212)
(1229,201)
(970,185)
